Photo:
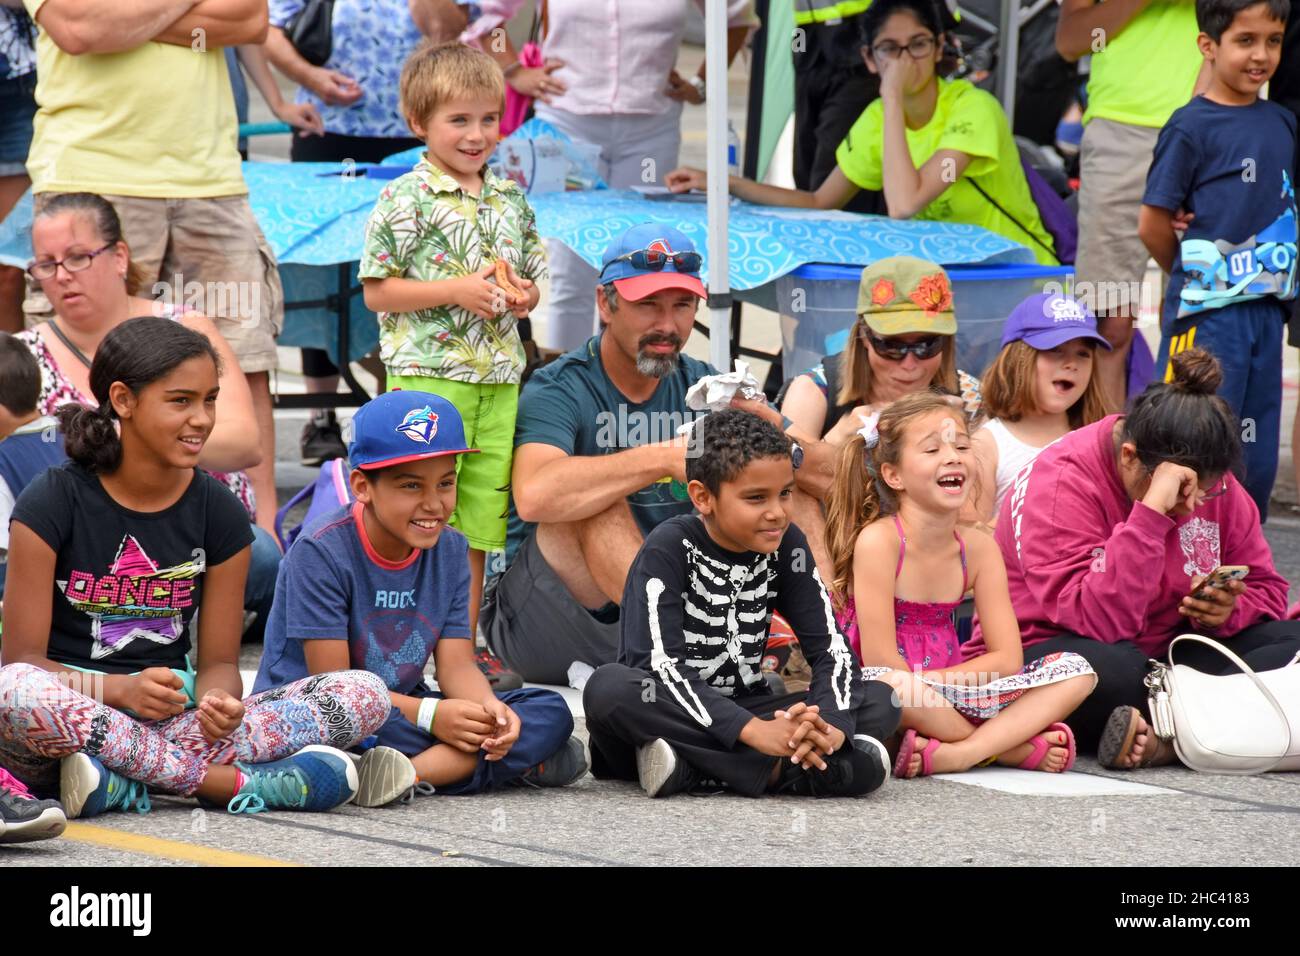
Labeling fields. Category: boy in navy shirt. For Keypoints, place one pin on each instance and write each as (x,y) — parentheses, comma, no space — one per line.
(1227,158)
(382,584)
(29,442)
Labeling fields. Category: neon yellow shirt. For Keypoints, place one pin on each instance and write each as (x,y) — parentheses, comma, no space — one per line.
(156,121)
(1149,69)
(971,121)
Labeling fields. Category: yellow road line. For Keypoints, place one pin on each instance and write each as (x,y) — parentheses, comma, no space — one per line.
(168,849)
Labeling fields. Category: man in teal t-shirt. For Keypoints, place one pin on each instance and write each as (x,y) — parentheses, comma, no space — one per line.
(598,461)
(1145,65)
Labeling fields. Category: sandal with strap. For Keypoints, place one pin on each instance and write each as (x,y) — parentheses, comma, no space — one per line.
(908,748)
(1117,741)
(1041,745)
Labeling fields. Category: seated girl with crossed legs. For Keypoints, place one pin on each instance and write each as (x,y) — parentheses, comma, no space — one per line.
(901,566)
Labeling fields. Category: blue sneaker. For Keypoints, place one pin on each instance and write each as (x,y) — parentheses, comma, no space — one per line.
(87,788)
(315,778)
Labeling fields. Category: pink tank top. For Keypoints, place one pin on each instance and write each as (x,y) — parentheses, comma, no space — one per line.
(926,635)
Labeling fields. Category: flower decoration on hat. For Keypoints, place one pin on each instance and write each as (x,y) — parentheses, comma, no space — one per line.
(933,294)
(882,293)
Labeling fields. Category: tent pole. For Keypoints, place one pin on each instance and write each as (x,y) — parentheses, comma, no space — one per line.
(715,58)
(1009,57)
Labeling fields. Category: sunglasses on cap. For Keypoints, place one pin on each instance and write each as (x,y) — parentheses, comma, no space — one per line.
(654,260)
(895,350)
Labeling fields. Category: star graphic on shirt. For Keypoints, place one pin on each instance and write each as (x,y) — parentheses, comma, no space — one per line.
(134,600)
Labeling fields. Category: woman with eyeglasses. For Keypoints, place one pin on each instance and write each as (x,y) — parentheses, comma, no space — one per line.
(1109,536)
(84,267)
(939,149)
(904,341)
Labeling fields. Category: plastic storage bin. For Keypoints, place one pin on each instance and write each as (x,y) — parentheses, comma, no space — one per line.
(818,306)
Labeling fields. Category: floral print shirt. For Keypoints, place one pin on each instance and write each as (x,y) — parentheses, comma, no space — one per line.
(371,41)
(425,226)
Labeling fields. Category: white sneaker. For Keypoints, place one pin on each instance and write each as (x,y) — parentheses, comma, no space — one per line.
(383,775)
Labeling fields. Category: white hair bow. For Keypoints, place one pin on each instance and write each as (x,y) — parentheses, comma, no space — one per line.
(869,431)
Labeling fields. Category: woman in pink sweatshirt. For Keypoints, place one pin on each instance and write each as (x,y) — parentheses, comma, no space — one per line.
(1107,533)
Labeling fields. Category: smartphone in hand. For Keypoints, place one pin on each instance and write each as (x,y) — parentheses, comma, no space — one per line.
(1218,579)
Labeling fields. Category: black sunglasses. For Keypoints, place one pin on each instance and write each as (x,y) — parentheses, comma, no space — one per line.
(895,350)
(655,260)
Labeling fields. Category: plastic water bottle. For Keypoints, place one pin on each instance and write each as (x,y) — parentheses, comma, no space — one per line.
(733,149)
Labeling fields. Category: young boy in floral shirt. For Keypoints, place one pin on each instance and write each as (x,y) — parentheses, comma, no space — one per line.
(447,310)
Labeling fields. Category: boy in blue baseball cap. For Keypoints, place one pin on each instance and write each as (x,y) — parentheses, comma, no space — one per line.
(383,584)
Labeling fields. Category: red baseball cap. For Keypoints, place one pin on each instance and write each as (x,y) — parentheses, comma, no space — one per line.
(634,282)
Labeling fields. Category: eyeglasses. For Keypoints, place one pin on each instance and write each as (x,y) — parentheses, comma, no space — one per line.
(895,350)
(1216,493)
(918,48)
(77,262)
(655,260)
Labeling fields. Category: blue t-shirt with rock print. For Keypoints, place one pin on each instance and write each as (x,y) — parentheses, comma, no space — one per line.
(1232,166)
(333,585)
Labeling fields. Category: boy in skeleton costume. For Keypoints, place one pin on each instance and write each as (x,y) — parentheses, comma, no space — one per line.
(687,702)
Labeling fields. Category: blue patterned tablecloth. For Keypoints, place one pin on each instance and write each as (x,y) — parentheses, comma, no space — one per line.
(314,215)
(766,242)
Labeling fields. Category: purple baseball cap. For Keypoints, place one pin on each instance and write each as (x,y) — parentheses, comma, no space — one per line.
(1049,319)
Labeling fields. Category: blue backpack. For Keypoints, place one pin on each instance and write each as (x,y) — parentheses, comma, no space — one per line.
(329,492)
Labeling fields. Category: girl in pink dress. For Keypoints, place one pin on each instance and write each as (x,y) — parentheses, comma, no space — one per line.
(891,531)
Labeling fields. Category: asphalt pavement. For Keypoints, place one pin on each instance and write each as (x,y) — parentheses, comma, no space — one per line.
(1156,817)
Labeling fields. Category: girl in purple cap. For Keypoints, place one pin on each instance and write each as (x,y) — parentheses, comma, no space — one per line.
(1041,386)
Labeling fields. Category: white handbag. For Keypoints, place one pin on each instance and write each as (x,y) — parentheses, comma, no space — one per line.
(1237,723)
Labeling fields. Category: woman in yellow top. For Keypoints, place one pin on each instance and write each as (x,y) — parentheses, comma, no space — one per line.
(939,149)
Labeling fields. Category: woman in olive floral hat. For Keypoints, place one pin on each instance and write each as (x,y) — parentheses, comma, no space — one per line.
(905,341)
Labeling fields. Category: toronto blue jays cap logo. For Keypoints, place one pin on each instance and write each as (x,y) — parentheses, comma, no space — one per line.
(420,424)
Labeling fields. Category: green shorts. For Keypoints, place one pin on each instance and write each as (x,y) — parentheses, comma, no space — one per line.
(482,480)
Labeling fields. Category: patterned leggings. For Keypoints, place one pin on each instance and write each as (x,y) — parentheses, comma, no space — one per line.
(43,720)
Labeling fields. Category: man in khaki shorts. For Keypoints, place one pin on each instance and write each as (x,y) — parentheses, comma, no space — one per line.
(1145,64)
(134,104)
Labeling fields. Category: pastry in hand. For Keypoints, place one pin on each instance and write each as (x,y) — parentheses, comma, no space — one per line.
(505,285)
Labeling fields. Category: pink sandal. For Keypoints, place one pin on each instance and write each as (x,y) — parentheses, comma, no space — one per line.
(908,748)
(905,751)
(1041,746)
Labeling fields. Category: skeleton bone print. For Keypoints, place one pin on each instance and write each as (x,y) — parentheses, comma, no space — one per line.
(729,646)
(697,617)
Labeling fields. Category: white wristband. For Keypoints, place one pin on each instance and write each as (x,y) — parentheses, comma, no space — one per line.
(424,718)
